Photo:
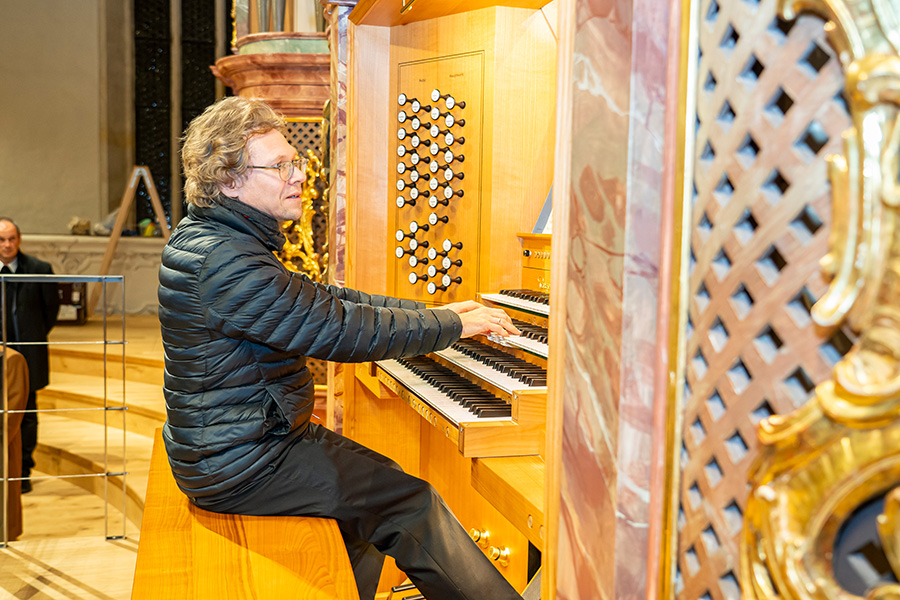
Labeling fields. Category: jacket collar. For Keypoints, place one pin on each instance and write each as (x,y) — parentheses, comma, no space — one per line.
(244,218)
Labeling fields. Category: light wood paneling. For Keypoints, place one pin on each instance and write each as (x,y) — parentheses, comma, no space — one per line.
(500,62)
(450,474)
(387,12)
(367,168)
(515,487)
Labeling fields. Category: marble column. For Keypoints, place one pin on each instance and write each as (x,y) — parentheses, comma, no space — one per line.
(336,13)
(618,92)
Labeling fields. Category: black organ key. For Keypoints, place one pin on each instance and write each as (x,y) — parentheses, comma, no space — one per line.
(531,331)
(533,296)
(477,400)
(522,370)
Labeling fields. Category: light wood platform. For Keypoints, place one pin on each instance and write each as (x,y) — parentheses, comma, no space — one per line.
(187,552)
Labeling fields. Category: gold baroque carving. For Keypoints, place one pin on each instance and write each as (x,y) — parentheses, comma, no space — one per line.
(821,462)
(300,253)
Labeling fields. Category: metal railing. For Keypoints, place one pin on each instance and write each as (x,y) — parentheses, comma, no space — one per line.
(107,408)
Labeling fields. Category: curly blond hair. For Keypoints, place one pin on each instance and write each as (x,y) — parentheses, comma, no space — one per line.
(214,145)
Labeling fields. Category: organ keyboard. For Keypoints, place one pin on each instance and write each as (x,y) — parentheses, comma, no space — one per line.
(525,300)
(487,395)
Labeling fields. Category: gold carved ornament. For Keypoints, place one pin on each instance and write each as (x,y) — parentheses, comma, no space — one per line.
(842,448)
(299,253)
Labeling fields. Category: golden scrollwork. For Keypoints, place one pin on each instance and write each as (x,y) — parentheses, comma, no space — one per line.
(821,462)
(299,253)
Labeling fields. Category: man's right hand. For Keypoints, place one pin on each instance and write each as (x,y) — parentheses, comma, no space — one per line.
(478,319)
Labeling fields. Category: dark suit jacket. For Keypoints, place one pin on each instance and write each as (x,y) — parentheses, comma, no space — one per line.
(37,306)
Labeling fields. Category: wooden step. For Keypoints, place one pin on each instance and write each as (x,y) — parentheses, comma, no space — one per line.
(64,449)
(145,402)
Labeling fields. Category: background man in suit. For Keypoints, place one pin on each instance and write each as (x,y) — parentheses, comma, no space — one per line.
(31,311)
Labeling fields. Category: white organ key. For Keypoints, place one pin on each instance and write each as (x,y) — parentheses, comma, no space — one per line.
(520,341)
(501,381)
(439,401)
(527,305)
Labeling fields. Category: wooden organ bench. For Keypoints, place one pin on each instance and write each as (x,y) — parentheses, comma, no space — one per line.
(188,552)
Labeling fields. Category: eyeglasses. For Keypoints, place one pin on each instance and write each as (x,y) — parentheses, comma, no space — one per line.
(286,168)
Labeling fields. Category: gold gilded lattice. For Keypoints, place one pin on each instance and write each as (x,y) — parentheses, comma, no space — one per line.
(768,112)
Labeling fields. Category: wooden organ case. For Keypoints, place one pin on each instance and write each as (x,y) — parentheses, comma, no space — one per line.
(451,136)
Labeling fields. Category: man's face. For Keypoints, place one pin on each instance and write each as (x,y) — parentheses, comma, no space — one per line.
(263,189)
(9,241)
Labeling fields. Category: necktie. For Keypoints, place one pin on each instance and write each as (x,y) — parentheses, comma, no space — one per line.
(10,306)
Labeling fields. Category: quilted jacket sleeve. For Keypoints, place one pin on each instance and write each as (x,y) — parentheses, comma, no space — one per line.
(363,298)
(251,296)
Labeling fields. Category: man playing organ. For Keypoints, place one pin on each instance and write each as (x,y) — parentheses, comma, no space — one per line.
(237,327)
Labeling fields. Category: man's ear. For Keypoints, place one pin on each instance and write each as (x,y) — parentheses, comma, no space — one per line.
(231,189)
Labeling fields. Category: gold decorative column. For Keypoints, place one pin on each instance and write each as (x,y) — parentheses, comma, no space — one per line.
(842,449)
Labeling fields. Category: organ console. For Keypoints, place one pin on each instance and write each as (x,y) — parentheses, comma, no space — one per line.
(471,418)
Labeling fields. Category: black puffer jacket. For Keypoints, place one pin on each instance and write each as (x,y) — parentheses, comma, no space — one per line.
(236,328)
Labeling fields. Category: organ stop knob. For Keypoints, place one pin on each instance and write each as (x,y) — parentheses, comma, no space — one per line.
(448,245)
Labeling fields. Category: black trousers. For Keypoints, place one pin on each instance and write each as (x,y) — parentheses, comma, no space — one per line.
(29,434)
(379,510)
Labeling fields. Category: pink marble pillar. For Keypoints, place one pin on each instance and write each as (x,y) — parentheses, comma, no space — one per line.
(619,94)
(336,14)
